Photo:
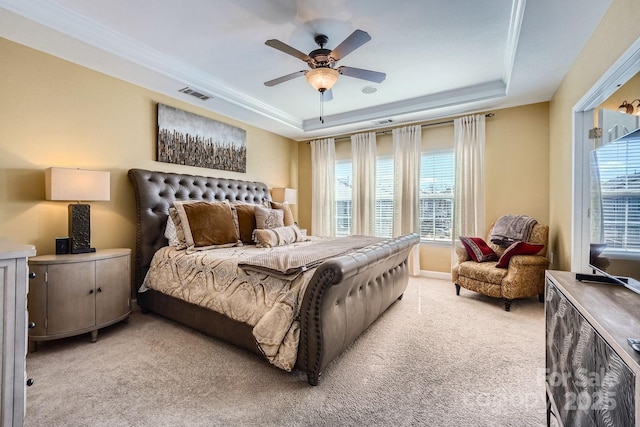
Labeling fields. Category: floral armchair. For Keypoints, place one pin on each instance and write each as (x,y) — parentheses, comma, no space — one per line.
(521,275)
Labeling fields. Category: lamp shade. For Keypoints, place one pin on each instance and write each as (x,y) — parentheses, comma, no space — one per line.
(77,184)
(322,78)
(281,195)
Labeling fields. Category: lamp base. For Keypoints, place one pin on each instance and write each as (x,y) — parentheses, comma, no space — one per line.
(80,228)
(82,250)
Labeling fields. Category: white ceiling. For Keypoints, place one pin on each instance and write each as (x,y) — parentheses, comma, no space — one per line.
(441,57)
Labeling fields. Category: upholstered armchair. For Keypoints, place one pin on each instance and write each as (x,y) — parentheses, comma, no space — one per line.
(523,276)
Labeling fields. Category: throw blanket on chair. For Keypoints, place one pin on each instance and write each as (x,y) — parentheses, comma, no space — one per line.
(510,228)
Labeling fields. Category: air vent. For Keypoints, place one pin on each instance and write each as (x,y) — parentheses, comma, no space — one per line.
(383,121)
(192,92)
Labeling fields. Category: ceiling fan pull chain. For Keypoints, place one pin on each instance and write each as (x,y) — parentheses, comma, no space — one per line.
(321,106)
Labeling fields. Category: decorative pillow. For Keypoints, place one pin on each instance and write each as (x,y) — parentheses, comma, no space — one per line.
(518,248)
(246,221)
(268,218)
(174,219)
(170,232)
(208,225)
(287,218)
(280,236)
(478,249)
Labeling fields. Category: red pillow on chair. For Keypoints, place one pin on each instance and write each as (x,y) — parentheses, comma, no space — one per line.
(478,249)
(518,248)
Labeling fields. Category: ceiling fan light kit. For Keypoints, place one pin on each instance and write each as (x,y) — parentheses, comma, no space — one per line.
(322,79)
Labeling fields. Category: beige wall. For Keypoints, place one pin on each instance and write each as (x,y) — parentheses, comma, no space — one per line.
(54,113)
(629,91)
(516,175)
(517,163)
(616,32)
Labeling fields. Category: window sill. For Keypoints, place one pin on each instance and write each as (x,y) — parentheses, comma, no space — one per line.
(439,243)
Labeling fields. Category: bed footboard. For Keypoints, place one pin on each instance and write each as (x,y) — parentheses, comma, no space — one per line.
(345,296)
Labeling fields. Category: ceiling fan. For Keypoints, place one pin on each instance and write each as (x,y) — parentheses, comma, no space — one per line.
(323,74)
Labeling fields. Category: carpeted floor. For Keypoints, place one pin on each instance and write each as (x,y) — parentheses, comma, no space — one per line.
(432,359)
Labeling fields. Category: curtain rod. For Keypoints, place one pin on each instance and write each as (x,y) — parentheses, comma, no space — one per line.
(387,131)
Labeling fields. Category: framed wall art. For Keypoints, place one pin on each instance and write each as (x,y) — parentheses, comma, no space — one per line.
(189,139)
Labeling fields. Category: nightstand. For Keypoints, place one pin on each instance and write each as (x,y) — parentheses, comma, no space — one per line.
(73,294)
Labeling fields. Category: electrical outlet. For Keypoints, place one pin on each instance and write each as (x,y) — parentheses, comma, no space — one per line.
(551,257)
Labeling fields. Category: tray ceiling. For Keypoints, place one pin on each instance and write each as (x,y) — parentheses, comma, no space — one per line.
(441,58)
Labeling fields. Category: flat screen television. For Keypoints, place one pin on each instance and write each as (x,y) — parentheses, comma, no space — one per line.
(614,247)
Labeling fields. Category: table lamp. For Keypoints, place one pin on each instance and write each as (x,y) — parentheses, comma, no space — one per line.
(80,185)
(281,195)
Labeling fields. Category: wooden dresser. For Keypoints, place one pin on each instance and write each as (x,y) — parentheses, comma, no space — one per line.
(77,293)
(592,373)
(13,331)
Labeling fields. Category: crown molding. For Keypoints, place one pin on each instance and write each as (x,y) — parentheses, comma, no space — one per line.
(515,27)
(481,92)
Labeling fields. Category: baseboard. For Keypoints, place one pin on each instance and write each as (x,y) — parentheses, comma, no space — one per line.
(435,275)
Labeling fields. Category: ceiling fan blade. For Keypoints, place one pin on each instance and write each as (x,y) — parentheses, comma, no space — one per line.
(284,78)
(359,73)
(282,47)
(351,43)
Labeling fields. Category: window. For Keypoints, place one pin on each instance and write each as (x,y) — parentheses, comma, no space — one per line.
(344,188)
(619,171)
(437,180)
(436,196)
(384,197)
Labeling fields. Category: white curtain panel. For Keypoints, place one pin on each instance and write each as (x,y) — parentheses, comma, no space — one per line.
(363,199)
(407,144)
(468,215)
(323,210)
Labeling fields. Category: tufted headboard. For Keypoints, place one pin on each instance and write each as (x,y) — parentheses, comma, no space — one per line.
(155,193)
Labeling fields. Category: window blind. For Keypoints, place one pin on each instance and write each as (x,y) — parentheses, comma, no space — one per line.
(436,196)
(437,178)
(619,170)
(344,188)
(384,196)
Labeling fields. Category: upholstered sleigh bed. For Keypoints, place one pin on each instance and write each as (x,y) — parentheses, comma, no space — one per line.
(344,296)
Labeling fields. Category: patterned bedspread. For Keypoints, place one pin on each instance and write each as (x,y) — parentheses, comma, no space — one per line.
(212,279)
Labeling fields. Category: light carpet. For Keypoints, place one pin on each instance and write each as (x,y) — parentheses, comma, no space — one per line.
(433,359)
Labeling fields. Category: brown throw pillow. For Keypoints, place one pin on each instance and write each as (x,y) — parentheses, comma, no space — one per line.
(246,221)
(287,216)
(268,218)
(208,224)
